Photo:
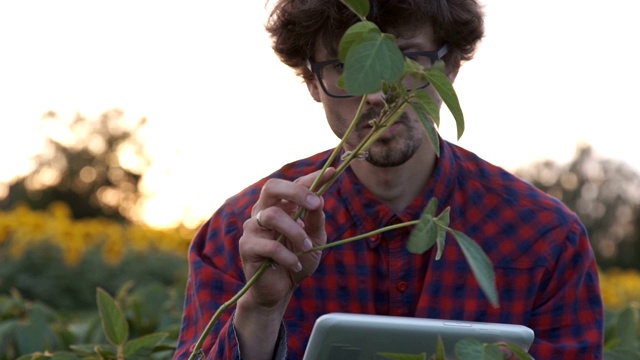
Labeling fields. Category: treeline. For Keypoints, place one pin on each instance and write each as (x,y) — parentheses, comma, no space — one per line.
(85,170)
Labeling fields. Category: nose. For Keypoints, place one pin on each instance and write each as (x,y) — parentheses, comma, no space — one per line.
(376,99)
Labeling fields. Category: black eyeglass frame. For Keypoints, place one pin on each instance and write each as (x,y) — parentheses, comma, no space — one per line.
(316,67)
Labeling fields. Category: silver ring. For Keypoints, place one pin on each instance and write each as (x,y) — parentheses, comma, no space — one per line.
(260,222)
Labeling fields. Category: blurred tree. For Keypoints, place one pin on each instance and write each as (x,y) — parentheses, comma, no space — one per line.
(606,196)
(94,166)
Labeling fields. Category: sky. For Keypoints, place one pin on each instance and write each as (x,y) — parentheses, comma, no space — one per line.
(223,112)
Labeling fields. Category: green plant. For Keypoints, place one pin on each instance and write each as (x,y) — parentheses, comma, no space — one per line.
(41,273)
(465,349)
(27,327)
(372,63)
(138,324)
(622,335)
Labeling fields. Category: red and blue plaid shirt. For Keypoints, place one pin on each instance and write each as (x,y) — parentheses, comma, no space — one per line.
(546,273)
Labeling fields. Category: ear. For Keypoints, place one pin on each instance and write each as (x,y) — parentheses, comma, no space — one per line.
(452,74)
(314,89)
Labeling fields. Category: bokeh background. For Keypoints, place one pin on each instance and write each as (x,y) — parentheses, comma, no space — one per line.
(125,124)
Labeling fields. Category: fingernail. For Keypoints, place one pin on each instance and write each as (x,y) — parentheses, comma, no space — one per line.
(313,200)
(307,245)
(298,267)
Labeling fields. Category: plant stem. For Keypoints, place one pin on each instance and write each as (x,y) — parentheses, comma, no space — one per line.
(389,116)
(358,237)
(224,307)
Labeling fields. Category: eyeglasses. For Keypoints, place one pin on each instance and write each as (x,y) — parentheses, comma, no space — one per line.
(329,71)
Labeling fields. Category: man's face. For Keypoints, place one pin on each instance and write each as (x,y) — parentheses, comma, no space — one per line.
(401,140)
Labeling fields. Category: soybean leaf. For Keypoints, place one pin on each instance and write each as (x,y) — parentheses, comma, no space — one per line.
(425,112)
(114,323)
(492,352)
(146,342)
(469,349)
(360,7)
(626,328)
(429,105)
(480,265)
(472,349)
(440,354)
(35,356)
(444,218)
(357,33)
(621,354)
(64,356)
(422,240)
(432,207)
(443,223)
(522,355)
(443,86)
(7,327)
(440,238)
(84,349)
(425,232)
(371,63)
(87,351)
(392,356)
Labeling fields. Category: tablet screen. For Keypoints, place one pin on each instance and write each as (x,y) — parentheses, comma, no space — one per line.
(337,336)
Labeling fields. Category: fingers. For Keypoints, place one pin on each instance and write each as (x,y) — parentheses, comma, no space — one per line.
(265,248)
(273,214)
(289,195)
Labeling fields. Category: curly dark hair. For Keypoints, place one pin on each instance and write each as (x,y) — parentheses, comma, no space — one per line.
(298,26)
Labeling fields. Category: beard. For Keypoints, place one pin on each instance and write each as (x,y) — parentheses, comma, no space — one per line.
(396,149)
(387,156)
(389,150)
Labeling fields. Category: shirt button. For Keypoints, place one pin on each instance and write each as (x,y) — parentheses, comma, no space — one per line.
(401,286)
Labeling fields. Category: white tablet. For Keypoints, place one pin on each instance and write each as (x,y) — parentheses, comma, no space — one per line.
(338,336)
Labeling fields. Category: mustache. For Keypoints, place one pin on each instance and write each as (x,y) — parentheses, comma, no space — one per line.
(373,114)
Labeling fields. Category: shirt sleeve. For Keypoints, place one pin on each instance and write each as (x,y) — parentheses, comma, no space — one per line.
(569,314)
(215,276)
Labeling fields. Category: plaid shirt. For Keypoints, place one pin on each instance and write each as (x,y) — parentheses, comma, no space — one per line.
(545,269)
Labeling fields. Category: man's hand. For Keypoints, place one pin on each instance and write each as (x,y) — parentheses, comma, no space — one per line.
(259,312)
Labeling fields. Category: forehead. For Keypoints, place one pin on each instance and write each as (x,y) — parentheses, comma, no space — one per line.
(408,38)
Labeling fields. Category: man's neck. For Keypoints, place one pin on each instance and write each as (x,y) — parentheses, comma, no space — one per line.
(398,186)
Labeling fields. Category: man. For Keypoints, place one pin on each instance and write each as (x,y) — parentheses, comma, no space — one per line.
(545,270)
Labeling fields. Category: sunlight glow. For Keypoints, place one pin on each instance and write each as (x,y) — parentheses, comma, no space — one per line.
(223,111)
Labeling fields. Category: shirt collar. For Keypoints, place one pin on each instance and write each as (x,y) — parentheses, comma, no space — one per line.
(369,213)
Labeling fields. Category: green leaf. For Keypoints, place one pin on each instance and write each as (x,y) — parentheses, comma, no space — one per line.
(424,112)
(429,105)
(443,86)
(492,352)
(7,328)
(360,7)
(626,328)
(440,353)
(472,349)
(84,349)
(371,63)
(423,237)
(469,349)
(621,354)
(432,207)
(425,232)
(422,356)
(35,356)
(34,335)
(358,33)
(443,223)
(146,342)
(522,355)
(480,265)
(64,356)
(114,323)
